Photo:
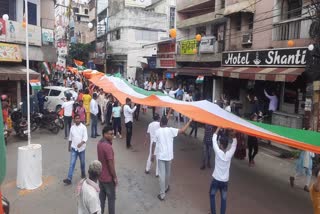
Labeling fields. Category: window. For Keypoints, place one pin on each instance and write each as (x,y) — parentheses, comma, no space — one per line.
(250,21)
(86,11)
(75,10)
(172,17)
(201,30)
(78,18)
(116,35)
(54,93)
(32,13)
(238,18)
(223,2)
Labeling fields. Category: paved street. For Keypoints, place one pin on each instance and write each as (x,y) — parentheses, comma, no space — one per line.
(263,189)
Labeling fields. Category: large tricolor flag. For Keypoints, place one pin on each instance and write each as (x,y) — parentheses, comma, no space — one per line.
(35,84)
(206,112)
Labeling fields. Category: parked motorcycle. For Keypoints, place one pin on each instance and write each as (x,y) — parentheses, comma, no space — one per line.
(19,123)
(47,121)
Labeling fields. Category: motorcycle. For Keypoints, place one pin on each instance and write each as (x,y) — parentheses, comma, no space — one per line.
(19,123)
(47,121)
(5,204)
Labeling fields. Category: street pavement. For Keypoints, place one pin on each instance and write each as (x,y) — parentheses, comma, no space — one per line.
(263,189)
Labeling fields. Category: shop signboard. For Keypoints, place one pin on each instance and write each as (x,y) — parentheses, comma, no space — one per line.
(3,30)
(166,55)
(47,36)
(62,48)
(152,62)
(137,3)
(207,44)
(17,34)
(10,53)
(284,57)
(61,64)
(187,46)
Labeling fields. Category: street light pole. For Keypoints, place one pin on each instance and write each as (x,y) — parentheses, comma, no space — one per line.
(28,77)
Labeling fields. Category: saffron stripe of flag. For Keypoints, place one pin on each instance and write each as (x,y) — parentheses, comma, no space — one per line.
(78,62)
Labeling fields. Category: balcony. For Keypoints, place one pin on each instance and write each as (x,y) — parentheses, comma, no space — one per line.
(208,51)
(297,28)
(191,4)
(212,17)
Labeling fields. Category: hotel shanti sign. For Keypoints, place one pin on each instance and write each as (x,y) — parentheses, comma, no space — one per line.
(289,57)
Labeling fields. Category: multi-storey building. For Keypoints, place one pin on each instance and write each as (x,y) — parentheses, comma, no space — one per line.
(253,45)
(13,39)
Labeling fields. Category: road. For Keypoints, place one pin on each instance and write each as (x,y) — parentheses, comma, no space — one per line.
(263,189)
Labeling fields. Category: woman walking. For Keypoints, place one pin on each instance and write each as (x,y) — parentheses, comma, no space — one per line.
(86,103)
(116,114)
(81,111)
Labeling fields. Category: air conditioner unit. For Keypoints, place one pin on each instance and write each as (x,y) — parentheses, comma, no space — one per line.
(247,38)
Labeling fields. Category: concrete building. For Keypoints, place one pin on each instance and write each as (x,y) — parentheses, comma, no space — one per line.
(79,22)
(12,46)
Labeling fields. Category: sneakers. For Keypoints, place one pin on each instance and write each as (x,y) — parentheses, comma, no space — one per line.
(67,181)
(147,172)
(159,197)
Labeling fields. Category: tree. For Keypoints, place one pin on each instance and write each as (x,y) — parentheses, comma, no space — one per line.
(79,52)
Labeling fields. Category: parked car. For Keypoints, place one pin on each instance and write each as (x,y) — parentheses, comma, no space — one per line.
(55,96)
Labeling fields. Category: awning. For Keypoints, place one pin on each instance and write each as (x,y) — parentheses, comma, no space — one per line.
(268,74)
(246,6)
(16,72)
(192,71)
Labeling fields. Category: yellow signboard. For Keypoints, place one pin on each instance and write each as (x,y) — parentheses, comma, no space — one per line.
(10,53)
(188,46)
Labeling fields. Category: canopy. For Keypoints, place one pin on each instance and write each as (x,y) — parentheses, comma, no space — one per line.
(206,112)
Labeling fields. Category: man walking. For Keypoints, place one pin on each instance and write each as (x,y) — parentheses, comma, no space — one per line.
(108,178)
(164,152)
(273,102)
(128,119)
(94,110)
(151,132)
(88,191)
(102,104)
(221,169)
(207,146)
(77,145)
(67,115)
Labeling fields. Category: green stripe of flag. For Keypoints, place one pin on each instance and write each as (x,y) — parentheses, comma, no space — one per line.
(3,152)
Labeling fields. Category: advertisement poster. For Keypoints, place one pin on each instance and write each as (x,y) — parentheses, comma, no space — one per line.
(47,36)
(10,53)
(17,34)
(187,46)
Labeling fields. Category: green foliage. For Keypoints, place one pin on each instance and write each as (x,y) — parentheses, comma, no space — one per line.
(79,52)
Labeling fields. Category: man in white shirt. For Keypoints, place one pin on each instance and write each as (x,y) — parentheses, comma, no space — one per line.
(151,132)
(163,150)
(67,107)
(146,84)
(221,169)
(102,104)
(88,191)
(94,110)
(154,86)
(273,101)
(77,144)
(128,119)
(79,84)
(160,86)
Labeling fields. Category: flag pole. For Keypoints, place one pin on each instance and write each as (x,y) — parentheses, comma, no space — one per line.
(28,77)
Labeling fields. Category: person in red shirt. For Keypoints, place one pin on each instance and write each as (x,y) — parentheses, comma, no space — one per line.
(108,178)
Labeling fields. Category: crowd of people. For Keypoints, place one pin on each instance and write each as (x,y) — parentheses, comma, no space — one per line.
(93,104)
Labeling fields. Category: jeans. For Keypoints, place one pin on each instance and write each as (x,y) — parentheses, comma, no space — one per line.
(94,124)
(117,125)
(253,150)
(149,162)
(129,133)
(73,160)
(107,189)
(67,125)
(223,188)
(164,176)
(206,153)
(194,127)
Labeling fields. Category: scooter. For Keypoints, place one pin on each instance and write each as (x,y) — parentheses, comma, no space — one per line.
(19,123)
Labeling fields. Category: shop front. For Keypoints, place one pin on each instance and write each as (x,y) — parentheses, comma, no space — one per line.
(250,73)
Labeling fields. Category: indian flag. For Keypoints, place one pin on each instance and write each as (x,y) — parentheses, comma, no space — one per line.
(46,68)
(35,84)
(208,113)
(3,153)
(200,79)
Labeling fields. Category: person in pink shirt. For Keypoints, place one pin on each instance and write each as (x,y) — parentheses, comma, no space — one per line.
(81,111)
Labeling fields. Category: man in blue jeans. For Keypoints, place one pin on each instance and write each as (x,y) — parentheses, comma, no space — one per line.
(221,169)
(77,145)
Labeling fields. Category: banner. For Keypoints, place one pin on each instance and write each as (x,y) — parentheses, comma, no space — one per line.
(10,53)
(17,34)
(61,64)
(187,46)
(2,30)
(207,44)
(47,36)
